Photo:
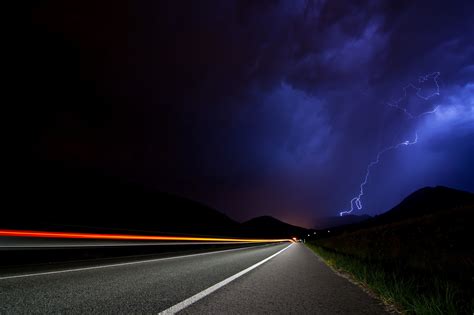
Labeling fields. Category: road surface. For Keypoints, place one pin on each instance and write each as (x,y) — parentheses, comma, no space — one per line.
(277,279)
(18,243)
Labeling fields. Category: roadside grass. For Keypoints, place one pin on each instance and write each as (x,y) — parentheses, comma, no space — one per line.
(410,292)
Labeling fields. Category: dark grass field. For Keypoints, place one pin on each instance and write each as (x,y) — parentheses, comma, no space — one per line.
(423,265)
(408,291)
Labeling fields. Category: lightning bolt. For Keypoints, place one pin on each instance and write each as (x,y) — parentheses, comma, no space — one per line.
(356,201)
(396,103)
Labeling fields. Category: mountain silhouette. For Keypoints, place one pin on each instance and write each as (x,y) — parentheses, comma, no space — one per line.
(426,201)
(61,198)
(428,233)
(423,202)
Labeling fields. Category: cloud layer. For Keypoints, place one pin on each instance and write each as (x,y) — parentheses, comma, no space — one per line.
(268,107)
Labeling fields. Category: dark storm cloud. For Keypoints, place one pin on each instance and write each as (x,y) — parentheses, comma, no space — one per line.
(262,107)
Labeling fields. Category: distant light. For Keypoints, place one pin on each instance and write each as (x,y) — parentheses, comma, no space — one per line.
(329,231)
(308,234)
(314,233)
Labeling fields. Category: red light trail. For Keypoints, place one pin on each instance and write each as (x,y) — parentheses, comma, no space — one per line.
(77,235)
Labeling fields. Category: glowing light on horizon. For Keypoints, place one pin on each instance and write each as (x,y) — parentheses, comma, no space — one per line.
(356,201)
(77,235)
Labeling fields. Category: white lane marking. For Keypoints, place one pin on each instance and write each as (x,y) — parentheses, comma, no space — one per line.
(123,264)
(182,305)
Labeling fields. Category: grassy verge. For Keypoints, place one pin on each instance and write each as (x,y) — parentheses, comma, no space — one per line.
(410,292)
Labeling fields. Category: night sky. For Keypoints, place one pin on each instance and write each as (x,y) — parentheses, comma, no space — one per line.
(253,107)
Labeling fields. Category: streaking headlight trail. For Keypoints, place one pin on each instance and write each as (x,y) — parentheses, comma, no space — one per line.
(97,236)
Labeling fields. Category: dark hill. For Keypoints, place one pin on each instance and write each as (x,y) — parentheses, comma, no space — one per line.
(267,226)
(62,198)
(427,200)
(82,199)
(429,232)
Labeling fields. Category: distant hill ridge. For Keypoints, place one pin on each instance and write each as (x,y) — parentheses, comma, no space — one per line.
(59,198)
(428,200)
(425,201)
(428,233)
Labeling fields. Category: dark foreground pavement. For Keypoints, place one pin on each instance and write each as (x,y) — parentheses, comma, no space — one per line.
(294,281)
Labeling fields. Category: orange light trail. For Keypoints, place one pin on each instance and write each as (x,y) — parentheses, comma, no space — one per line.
(77,235)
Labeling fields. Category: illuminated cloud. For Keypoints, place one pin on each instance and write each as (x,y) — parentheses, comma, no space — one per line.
(257,107)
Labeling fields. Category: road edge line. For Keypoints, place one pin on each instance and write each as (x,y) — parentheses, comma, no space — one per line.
(193,299)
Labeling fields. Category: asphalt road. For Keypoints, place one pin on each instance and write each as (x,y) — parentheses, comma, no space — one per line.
(278,279)
(19,243)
